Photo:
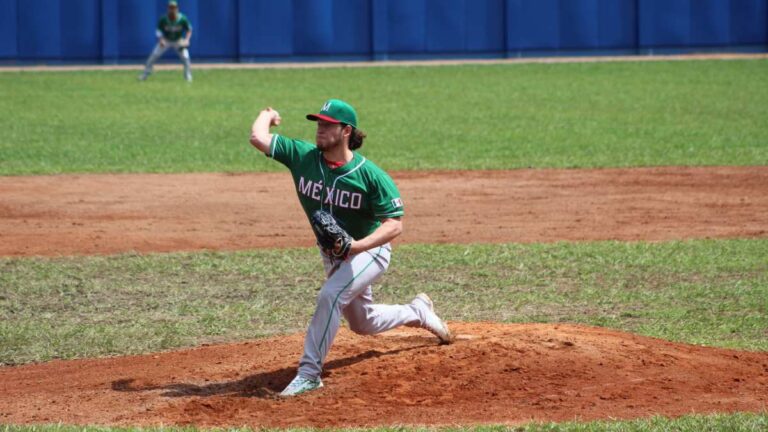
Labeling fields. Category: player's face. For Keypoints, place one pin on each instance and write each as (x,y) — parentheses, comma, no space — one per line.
(329,135)
(172,11)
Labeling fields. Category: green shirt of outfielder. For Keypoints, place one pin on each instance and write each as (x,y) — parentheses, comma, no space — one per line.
(331,176)
(173,29)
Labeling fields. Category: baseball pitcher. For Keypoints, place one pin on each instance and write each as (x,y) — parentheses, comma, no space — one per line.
(173,31)
(355,211)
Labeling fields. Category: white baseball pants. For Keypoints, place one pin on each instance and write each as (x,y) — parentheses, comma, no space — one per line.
(347,290)
(158,52)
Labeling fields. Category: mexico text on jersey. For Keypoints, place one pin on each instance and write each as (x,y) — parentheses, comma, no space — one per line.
(359,194)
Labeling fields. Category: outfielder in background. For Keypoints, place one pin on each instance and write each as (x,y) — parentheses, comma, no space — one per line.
(330,176)
(173,31)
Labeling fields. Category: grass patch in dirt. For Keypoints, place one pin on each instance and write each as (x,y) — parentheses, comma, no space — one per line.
(704,292)
(506,116)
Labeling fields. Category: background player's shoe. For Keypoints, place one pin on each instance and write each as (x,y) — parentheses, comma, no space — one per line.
(432,322)
(143,76)
(301,385)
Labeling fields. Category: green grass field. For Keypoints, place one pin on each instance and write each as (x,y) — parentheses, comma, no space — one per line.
(473,116)
(702,292)
(708,292)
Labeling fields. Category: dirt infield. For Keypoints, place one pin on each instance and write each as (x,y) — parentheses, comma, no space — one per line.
(494,373)
(105,214)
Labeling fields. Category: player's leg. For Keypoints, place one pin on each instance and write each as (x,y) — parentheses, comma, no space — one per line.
(157,52)
(184,56)
(347,280)
(365,317)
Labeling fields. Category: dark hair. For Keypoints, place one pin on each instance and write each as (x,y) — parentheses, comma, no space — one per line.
(356,139)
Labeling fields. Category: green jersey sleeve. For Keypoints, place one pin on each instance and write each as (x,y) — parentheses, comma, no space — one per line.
(385,199)
(288,151)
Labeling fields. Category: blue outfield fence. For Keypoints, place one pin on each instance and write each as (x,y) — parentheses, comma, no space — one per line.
(112,31)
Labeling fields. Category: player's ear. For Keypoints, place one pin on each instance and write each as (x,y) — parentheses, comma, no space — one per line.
(347,130)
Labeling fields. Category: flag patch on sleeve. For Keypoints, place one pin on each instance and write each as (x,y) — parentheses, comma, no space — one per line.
(397,203)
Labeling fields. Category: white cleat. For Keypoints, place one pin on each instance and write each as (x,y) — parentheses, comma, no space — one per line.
(432,322)
(301,385)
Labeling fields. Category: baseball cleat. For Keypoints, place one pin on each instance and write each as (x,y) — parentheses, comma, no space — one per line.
(301,385)
(432,322)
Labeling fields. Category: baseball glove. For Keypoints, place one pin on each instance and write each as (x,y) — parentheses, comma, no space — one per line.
(332,238)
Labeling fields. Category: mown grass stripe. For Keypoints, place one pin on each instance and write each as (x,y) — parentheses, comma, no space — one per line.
(518,116)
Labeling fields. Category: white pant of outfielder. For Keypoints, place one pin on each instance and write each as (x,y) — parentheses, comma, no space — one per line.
(159,50)
(348,290)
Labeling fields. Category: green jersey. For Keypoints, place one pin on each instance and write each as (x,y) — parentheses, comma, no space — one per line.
(173,30)
(358,194)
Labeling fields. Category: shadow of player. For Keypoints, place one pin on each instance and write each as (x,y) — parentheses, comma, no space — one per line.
(260,385)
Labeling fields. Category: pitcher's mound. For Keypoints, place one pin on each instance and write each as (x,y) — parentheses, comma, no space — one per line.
(494,373)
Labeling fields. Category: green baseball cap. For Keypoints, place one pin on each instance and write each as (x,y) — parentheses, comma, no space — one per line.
(336,111)
(173,3)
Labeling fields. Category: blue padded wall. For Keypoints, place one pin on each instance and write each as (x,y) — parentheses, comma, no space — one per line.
(665,23)
(405,22)
(109,31)
(136,21)
(748,22)
(710,23)
(215,29)
(265,28)
(352,35)
(80,22)
(313,24)
(118,30)
(617,24)
(484,26)
(39,29)
(445,29)
(579,24)
(539,24)
(8,42)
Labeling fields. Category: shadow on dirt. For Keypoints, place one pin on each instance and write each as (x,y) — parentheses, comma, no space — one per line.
(261,385)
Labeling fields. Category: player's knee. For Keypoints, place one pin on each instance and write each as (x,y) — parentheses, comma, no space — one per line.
(360,321)
(325,298)
(361,328)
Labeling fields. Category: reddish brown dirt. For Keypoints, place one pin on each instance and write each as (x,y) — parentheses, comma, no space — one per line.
(494,373)
(104,214)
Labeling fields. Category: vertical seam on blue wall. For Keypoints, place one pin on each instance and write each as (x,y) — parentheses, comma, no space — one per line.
(18,47)
(100,14)
(372,31)
(62,56)
(504,23)
(637,27)
(236,23)
(599,31)
(61,34)
(689,38)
